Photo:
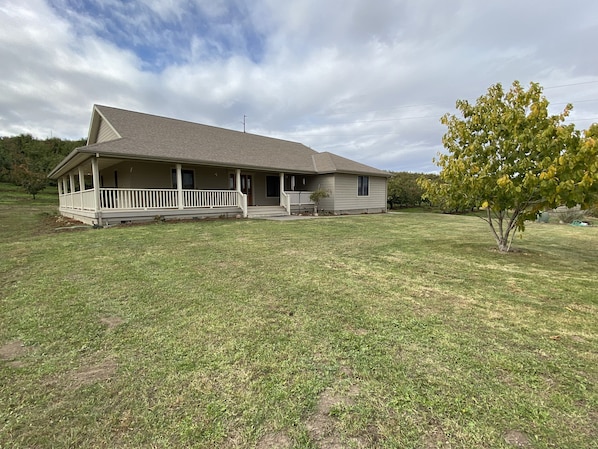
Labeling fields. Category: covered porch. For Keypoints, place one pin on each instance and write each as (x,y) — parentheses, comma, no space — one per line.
(103,191)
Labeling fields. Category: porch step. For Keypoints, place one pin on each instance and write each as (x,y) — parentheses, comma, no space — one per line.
(265,211)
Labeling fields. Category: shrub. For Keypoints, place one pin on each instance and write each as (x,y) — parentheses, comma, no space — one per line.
(316,196)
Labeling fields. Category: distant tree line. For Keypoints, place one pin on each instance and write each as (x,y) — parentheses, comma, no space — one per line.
(26,161)
(404,191)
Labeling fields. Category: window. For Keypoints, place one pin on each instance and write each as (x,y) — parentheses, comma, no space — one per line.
(188,179)
(363,185)
(272,186)
(294,183)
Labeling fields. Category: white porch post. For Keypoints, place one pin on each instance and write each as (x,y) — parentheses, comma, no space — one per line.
(285,200)
(59,184)
(73,187)
(81,186)
(281,174)
(81,179)
(95,173)
(64,186)
(240,195)
(179,185)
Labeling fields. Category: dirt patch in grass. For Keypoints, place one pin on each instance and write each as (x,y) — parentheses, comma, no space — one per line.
(517,438)
(111,321)
(436,438)
(90,374)
(51,223)
(12,351)
(322,426)
(278,440)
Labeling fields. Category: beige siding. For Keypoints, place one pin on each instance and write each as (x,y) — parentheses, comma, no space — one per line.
(105,132)
(326,182)
(137,175)
(260,191)
(207,178)
(148,175)
(346,198)
(259,188)
(107,176)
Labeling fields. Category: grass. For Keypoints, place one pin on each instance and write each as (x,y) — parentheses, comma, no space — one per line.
(20,214)
(396,330)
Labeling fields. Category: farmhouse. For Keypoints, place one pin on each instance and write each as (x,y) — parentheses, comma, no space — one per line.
(136,167)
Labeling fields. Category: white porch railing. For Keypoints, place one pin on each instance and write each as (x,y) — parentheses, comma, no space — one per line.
(296,197)
(78,200)
(138,198)
(144,199)
(209,198)
(242,201)
(285,201)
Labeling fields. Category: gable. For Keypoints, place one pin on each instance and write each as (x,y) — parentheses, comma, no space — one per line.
(106,133)
(100,129)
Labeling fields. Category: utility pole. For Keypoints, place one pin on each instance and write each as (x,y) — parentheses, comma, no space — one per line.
(244,117)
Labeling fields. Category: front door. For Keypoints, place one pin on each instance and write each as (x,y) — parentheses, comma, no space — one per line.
(247,188)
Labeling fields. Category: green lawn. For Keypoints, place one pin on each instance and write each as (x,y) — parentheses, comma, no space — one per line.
(374,331)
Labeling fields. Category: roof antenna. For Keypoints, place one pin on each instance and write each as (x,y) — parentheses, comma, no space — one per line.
(244,117)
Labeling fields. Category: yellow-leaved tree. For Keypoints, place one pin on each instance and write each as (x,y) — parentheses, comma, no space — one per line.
(509,156)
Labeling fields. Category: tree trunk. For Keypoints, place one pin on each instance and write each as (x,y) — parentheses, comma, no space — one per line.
(501,235)
(503,244)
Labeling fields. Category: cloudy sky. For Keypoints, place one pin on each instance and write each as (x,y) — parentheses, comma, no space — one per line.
(365,79)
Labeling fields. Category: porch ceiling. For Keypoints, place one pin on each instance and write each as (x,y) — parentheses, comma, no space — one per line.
(72,161)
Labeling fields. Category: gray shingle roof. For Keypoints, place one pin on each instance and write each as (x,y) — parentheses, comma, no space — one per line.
(145,136)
